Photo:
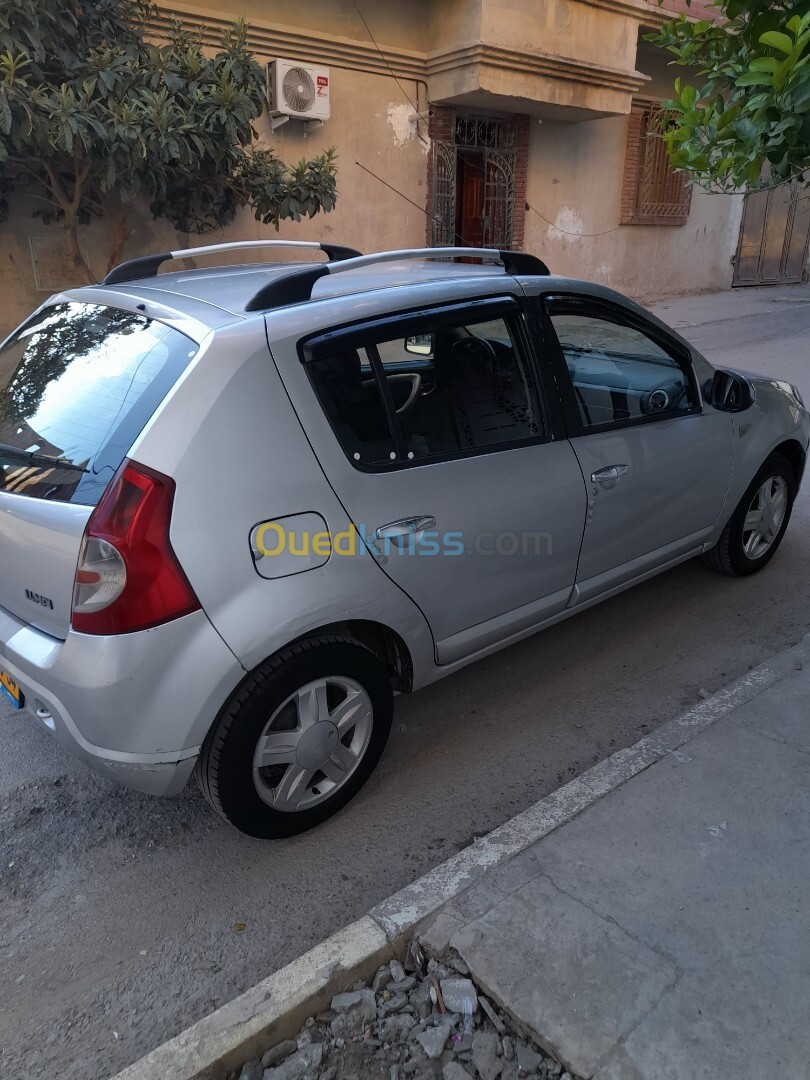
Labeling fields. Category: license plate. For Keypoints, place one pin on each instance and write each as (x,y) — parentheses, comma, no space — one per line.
(10,690)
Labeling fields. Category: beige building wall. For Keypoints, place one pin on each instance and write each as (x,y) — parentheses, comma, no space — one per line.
(574,168)
(575,181)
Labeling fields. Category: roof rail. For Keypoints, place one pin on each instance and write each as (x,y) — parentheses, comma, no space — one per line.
(297,286)
(147,265)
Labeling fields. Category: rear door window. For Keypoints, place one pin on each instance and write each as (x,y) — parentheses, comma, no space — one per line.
(78,382)
(427,386)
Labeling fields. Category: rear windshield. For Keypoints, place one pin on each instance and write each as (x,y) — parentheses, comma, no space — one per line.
(78,382)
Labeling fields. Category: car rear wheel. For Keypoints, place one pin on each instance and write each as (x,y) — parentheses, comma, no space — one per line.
(755,529)
(299,738)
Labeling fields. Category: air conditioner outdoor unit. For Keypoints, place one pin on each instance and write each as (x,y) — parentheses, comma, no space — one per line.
(297,91)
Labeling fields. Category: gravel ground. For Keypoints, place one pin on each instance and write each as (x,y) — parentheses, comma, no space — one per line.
(420,1020)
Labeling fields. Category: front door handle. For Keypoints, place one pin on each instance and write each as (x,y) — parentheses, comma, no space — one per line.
(403,528)
(609,473)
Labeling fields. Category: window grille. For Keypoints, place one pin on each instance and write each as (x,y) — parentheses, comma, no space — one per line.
(655,194)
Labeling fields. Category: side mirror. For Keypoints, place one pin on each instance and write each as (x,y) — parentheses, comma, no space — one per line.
(420,345)
(729,392)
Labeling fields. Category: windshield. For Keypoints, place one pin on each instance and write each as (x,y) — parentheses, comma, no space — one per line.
(78,382)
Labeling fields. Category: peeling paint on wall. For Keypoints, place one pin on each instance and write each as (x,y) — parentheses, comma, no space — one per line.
(399,117)
(567,221)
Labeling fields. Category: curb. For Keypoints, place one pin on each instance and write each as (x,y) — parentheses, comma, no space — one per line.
(276,1008)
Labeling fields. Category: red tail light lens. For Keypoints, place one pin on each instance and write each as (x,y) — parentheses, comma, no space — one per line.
(128,577)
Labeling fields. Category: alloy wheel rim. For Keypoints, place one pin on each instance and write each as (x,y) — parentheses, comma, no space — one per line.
(312,744)
(764,517)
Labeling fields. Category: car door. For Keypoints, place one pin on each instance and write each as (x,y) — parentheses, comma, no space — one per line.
(656,460)
(433,431)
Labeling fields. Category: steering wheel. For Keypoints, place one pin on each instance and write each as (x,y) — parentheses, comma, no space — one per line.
(667,397)
(474,348)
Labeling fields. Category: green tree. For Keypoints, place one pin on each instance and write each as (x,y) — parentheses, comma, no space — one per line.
(746,120)
(95,117)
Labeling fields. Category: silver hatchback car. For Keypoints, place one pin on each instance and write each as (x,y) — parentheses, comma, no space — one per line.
(242,507)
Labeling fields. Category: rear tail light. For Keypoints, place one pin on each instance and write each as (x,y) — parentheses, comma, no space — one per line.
(128,577)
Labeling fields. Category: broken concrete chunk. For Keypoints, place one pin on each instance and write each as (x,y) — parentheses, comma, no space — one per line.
(395,1003)
(278,1052)
(396,1028)
(355,1011)
(485,1055)
(459,965)
(496,1020)
(455,992)
(299,1066)
(363,999)
(527,1059)
(397,971)
(454,1071)
(251,1070)
(433,1040)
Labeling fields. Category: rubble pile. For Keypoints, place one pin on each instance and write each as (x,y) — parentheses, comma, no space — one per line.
(416,1021)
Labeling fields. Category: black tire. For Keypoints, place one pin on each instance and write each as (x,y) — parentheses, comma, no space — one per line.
(225,765)
(728,555)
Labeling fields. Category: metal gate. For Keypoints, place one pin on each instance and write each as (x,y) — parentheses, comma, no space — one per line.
(490,143)
(443,233)
(499,183)
(773,236)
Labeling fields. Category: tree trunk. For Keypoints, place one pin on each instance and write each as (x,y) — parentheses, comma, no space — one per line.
(70,227)
(121,232)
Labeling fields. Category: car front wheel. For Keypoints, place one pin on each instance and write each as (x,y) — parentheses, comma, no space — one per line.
(755,529)
(299,738)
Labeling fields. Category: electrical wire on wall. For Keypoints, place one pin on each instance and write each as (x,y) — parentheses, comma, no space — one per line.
(383,57)
(569,232)
(432,217)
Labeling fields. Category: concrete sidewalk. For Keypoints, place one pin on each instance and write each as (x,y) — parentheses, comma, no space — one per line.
(664,932)
(684,313)
(648,920)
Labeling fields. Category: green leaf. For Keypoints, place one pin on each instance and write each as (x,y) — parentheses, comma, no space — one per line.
(764,63)
(755,78)
(777,40)
(83,91)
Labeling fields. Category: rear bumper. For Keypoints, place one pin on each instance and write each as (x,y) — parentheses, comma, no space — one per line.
(135,707)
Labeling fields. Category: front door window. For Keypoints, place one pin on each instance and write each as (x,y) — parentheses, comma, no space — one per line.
(618,373)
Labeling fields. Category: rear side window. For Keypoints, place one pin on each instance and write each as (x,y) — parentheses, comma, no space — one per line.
(78,382)
(426,387)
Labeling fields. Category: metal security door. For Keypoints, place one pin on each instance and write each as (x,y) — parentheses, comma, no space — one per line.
(773,236)
(499,188)
(473,184)
(443,224)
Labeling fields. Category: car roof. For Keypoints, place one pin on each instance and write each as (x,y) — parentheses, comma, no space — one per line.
(216,296)
(231,288)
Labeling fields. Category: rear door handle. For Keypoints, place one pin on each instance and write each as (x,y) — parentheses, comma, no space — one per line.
(610,472)
(403,528)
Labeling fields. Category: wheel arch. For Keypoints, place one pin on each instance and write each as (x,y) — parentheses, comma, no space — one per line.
(794,452)
(386,644)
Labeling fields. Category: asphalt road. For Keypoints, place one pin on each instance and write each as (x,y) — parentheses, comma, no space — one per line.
(117,911)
